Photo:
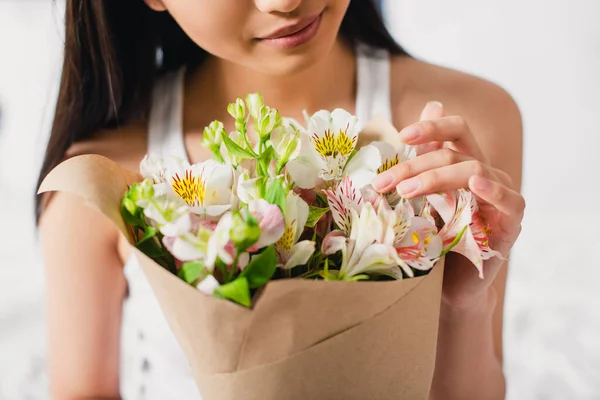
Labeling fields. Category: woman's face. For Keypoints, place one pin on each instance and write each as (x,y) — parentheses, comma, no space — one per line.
(272,36)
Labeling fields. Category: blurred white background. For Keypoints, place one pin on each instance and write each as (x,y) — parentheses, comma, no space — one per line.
(546,53)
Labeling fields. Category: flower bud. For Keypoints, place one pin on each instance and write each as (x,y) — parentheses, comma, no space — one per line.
(269,120)
(141,193)
(237,110)
(255,104)
(244,231)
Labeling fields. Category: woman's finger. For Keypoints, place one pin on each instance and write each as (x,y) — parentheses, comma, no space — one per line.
(432,110)
(443,179)
(509,202)
(388,180)
(452,129)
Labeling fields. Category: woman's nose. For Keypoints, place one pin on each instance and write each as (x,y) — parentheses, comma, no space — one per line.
(282,6)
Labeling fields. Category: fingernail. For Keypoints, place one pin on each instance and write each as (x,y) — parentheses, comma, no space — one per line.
(437,104)
(382,181)
(481,183)
(410,133)
(408,186)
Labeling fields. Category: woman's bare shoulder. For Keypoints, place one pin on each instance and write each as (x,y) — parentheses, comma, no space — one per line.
(125,145)
(490,112)
(63,213)
(415,82)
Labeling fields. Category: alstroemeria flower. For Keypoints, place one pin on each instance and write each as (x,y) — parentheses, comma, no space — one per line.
(344,198)
(248,189)
(153,168)
(420,247)
(205,187)
(390,157)
(270,220)
(458,209)
(289,251)
(190,246)
(171,217)
(219,244)
(369,248)
(305,168)
(334,137)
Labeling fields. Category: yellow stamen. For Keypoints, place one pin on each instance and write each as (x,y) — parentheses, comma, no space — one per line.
(190,188)
(325,145)
(427,240)
(388,163)
(415,237)
(287,240)
(344,144)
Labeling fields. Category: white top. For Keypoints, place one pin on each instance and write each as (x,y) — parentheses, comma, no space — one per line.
(153,364)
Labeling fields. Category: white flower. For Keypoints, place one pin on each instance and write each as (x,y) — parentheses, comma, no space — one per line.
(153,168)
(305,168)
(415,239)
(189,246)
(205,187)
(333,137)
(459,211)
(248,189)
(291,252)
(208,285)
(369,248)
(344,198)
(171,217)
(219,245)
(390,157)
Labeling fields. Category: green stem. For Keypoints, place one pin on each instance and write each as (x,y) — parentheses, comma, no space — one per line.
(454,242)
(233,267)
(244,131)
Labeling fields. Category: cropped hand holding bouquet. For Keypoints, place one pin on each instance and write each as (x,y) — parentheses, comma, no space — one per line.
(283,221)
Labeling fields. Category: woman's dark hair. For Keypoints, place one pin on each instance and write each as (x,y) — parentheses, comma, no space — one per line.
(111,61)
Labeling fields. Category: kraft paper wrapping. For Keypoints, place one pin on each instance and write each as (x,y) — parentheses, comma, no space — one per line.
(302,339)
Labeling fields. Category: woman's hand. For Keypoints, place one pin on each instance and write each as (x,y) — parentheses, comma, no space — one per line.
(448,158)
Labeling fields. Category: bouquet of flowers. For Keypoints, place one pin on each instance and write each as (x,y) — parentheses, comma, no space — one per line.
(255,255)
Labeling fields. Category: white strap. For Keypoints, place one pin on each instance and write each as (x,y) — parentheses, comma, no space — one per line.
(165,134)
(373,95)
(165,130)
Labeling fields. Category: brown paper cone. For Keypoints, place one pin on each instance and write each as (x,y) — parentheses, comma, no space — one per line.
(303,339)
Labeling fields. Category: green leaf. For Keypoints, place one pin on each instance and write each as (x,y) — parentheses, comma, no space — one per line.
(151,249)
(262,267)
(134,218)
(149,232)
(314,215)
(237,291)
(356,278)
(454,242)
(190,271)
(236,150)
(276,194)
(129,205)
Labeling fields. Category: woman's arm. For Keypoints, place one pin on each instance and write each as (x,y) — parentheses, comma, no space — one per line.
(483,145)
(85,290)
(467,366)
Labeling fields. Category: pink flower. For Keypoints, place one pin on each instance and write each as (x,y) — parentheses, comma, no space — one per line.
(459,211)
(270,220)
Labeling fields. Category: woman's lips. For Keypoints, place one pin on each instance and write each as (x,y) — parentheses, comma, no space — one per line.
(295,35)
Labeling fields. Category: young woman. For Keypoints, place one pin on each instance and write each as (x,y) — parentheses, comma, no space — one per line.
(148,76)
